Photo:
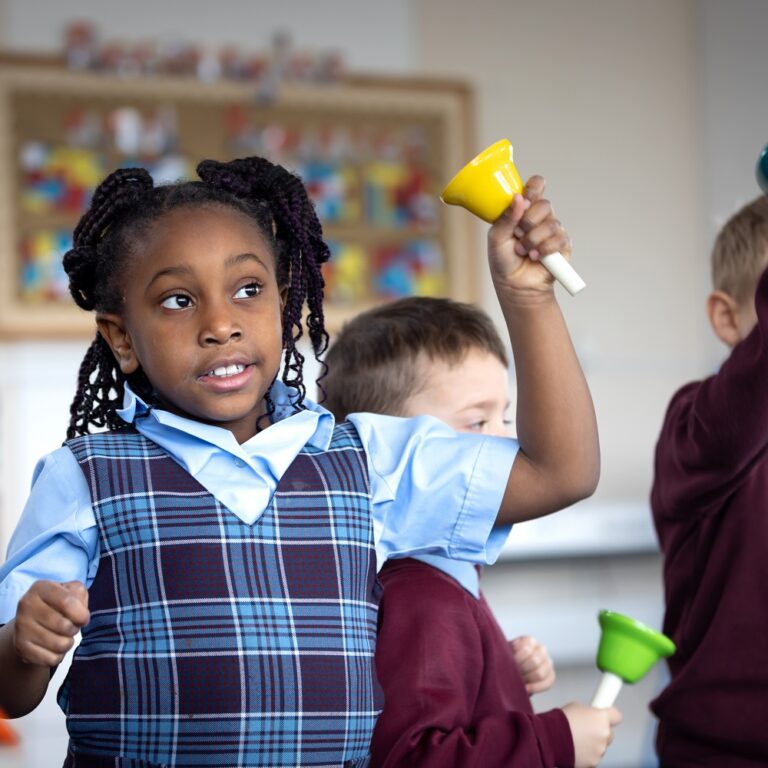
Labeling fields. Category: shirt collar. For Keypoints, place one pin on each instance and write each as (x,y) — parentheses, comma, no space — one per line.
(464,573)
(134,407)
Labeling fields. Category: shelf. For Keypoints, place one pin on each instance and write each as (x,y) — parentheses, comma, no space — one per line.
(374,153)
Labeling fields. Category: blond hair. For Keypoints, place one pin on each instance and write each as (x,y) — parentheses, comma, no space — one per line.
(740,252)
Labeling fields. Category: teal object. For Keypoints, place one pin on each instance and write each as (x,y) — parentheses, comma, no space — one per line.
(629,648)
(762,170)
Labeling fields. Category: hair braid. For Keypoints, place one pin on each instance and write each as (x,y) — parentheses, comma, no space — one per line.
(98,383)
(90,267)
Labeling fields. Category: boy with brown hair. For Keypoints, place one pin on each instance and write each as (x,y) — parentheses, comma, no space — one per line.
(710,508)
(455,691)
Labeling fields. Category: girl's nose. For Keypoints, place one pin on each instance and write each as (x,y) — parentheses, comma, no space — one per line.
(219,326)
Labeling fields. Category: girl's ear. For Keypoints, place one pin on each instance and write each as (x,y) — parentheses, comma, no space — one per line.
(113,331)
(723,311)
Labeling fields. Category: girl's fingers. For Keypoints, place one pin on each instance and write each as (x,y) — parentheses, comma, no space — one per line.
(501,231)
(57,623)
(69,599)
(547,237)
(54,607)
(38,645)
(516,210)
(534,188)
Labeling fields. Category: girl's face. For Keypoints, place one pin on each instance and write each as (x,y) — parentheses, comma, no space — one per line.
(202,317)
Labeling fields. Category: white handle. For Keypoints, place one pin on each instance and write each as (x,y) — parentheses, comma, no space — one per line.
(563,272)
(607,691)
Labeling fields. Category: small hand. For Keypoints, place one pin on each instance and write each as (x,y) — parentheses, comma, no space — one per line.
(48,617)
(525,232)
(592,732)
(534,662)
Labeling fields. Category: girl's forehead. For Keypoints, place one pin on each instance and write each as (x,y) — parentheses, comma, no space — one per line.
(202,234)
(213,219)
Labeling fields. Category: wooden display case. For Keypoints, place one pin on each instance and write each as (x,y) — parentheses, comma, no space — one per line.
(374,153)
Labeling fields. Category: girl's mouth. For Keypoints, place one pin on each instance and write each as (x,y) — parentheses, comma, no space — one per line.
(226,378)
(228,370)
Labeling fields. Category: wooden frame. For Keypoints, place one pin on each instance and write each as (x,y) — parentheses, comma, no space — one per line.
(34,100)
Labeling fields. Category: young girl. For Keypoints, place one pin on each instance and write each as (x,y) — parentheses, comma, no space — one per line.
(217,543)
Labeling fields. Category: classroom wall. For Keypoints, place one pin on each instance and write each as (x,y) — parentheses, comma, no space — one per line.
(645,118)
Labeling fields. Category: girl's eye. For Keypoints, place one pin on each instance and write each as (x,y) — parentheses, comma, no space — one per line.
(177,301)
(477,426)
(248,291)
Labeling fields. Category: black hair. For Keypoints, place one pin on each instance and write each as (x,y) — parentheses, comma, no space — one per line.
(123,208)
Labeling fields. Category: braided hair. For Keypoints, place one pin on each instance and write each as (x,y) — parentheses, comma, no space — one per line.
(124,207)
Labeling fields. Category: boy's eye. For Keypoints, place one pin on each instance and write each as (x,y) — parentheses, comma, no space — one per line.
(177,301)
(248,291)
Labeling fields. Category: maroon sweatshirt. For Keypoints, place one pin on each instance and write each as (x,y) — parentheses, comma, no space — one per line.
(453,695)
(710,507)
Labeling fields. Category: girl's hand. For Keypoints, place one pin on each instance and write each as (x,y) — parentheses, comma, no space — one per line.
(535,665)
(525,232)
(47,619)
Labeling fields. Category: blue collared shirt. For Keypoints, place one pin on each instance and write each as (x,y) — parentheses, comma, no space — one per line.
(433,490)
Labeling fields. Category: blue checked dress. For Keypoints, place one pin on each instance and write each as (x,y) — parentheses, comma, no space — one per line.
(216,643)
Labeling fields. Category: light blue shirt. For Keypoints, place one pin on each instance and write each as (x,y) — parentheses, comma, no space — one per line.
(433,490)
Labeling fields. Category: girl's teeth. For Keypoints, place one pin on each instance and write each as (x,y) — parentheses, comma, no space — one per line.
(228,370)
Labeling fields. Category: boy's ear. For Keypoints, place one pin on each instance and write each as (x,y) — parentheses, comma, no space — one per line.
(723,311)
(113,330)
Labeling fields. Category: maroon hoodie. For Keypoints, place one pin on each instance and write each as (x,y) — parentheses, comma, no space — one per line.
(710,507)
(453,695)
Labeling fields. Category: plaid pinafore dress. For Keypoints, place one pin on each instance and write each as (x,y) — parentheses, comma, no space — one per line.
(217,643)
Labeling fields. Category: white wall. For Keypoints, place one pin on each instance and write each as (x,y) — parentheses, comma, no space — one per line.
(600,97)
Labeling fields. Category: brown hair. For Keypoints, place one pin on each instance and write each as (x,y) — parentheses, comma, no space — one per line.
(372,362)
(740,252)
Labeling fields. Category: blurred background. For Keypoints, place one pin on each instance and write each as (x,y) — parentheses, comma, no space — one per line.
(646,119)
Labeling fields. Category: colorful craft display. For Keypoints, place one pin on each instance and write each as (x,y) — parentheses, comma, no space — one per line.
(371,187)
(334,188)
(370,180)
(357,274)
(58,179)
(42,276)
(57,182)
(347,274)
(408,269)
(280,62)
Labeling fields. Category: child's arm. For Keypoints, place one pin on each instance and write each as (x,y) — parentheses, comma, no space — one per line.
(559,460)
(715,431)
(47,619)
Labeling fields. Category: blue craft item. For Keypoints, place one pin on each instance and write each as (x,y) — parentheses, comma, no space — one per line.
(762,170)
